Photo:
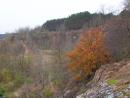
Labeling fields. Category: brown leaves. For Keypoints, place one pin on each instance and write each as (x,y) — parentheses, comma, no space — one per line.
(89,53)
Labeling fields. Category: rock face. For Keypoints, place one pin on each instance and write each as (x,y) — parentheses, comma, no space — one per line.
(110,81)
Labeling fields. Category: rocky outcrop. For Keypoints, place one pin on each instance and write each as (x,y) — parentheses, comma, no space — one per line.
(110,81)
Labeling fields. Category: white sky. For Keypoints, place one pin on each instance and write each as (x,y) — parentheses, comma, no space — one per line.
(21,13)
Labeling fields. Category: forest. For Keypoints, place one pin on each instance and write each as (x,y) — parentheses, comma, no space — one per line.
(58,58)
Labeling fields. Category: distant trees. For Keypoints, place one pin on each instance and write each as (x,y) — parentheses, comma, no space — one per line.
(53,25)
(89,54)
(77,21)
(118,35)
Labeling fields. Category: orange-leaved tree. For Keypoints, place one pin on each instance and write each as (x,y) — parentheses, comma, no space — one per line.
(89,54)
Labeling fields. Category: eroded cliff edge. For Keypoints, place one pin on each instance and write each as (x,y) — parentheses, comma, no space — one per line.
(110,81)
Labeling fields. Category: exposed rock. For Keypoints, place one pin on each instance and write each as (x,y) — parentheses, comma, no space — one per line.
(110,81)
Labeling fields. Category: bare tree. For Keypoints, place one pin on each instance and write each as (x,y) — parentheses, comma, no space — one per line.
(127,4)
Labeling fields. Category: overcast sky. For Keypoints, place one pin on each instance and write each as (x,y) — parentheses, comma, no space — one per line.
(15,14)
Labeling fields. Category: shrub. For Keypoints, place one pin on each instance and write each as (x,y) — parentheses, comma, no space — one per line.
(2,92)
(89,54)
(47,92)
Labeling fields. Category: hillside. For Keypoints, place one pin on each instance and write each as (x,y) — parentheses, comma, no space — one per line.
(2,36)
(77,21)
(110,81)
(34,62)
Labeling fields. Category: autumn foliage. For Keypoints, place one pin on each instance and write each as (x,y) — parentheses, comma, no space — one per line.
(89,54)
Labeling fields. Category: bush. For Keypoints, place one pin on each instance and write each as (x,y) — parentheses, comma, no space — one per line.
(47,92)
(2,92)
(89,54)
(6,75)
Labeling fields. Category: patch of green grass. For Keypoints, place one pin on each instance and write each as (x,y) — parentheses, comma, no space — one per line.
(112,82)
(47,92)
(29,81)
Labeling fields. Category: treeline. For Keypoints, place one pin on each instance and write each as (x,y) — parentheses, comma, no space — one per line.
(54,60)
(77,21)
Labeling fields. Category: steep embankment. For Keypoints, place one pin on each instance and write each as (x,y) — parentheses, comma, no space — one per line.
(110,81)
